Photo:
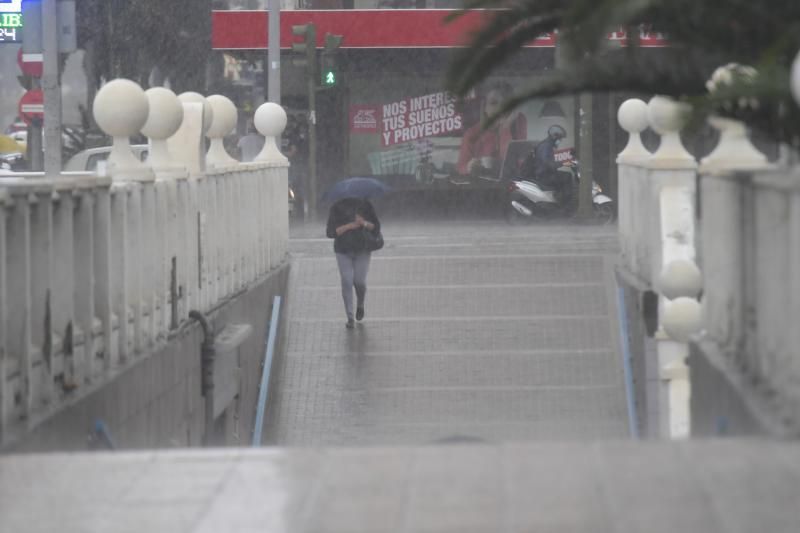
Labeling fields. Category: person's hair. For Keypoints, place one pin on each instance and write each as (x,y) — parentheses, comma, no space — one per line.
(502,87)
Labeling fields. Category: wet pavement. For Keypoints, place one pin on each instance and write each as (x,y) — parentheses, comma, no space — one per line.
(733,486)
(475,331)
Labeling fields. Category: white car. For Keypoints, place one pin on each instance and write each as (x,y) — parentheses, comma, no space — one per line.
(86,161)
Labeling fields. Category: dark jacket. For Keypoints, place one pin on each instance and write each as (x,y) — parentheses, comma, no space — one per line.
(343,212)
(545,162)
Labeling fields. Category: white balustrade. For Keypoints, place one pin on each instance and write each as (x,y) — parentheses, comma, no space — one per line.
(657,241)
(749,246)
(96,271)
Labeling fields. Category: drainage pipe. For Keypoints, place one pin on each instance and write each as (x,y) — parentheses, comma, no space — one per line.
(265,371)
(207,354)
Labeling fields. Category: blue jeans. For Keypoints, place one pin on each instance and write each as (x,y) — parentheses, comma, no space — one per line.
(353,269)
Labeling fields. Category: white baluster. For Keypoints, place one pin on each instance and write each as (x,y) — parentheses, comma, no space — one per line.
(632,117)
(6,398)
(723,229)
(136,254)
(224,123)
(63,276)
(18,227)
(164,225)
(105,282)
(120,267)
(164,119)
(121,109)
(84,265)
(734,152)
(667,117)
(187,145)
(41,294)
(270,121)
(672,174)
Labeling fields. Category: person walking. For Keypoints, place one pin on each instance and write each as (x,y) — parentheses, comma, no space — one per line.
(354,226)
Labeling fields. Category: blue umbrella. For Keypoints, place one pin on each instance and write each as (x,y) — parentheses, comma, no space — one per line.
(356,188)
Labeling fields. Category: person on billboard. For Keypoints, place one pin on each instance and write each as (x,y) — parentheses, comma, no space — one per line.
(482,150)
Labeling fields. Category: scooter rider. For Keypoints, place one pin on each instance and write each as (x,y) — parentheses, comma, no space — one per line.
(541,165)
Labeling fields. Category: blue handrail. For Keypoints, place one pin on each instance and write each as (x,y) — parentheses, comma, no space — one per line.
(265,372)
(633,424)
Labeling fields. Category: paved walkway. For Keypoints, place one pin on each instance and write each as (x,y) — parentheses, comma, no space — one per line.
(614,487)
(474,331)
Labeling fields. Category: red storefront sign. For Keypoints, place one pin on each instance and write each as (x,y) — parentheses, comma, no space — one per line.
(361,28)
(373,28)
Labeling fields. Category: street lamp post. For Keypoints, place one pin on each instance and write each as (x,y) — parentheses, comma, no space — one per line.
(51,89)
(274,52)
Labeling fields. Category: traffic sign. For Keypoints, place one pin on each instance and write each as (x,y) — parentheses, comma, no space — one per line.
(31,64)
(31,106)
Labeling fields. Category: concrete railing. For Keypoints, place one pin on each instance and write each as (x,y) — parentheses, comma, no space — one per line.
(98,271)
(657,241)
(748,248)
(751,242)
(656,193)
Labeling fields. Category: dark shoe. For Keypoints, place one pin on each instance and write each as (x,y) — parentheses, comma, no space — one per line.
(359,313)
(350,324)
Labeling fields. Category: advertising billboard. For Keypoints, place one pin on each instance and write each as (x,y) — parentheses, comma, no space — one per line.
(425,137)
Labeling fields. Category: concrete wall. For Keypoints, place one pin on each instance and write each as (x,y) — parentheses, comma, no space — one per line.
(157,403)
(717,407)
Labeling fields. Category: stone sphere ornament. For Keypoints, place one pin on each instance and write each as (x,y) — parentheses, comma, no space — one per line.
(270,121)
(190,97)
(667,117)
(632,117)
(680,278)
(121,109)
(225,118)
(682,319)
(166,116)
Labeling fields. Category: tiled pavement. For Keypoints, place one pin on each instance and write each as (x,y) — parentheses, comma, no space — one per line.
(611,487)
(474,331)
(422,368)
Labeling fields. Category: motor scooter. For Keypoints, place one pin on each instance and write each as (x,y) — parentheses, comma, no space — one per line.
(530,200)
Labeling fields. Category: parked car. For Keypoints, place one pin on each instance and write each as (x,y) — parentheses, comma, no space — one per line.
(13,161)
(87,160)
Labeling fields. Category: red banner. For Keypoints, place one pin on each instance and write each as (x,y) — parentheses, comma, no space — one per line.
(361,28)
(374,28)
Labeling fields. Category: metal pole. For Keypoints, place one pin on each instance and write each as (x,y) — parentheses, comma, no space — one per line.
(35,146)
(274,52)
(51,89)
(585,151)
(312,125)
